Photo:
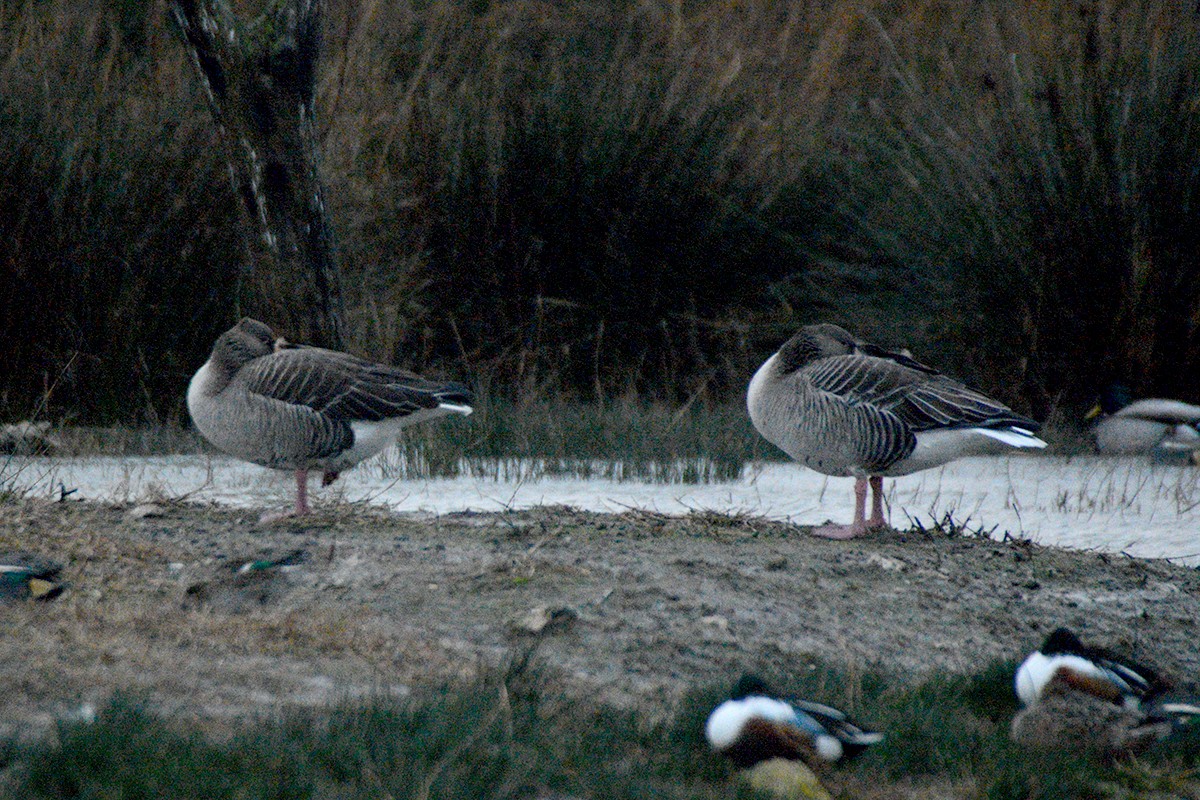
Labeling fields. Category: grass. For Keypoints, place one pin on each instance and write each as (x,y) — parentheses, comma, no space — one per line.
(604,200)
(504,440)
(514,737)
(624,440)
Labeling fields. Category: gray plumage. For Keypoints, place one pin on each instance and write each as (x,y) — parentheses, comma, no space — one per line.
(288,406)
(845,407)
(1125,426)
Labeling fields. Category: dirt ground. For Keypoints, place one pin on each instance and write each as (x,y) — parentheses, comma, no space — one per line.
(641,606)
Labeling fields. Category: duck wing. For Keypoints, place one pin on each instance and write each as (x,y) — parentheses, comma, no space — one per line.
(852,736)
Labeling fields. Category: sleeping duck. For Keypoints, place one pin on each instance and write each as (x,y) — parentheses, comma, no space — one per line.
(752,726)
(1086,699)
(1124,426)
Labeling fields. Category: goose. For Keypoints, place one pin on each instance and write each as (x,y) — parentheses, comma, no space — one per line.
(752,726)
(265,400)
(1092,670)
(1124,426)
(844,407)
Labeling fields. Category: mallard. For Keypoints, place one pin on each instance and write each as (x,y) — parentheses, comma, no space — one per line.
(752,726)
(1126,426)
(845,407)
(242,584)
(285,406)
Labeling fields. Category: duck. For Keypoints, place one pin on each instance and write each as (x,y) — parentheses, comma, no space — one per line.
(1068,717)
(271,402)
(753,726)
(25,577)
(243,584)
(1092,670)
(844,407)
(1124,426)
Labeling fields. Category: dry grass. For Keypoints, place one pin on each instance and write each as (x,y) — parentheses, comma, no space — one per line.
(610,200)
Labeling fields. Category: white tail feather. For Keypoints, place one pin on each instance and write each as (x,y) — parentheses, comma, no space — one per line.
(1016,437)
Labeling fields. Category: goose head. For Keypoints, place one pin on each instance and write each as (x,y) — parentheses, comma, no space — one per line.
(814,342)
(241,344)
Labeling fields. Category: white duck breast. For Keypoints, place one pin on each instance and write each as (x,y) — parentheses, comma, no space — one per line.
(1064,658)
(1036,672)
(728,722)
(305,408)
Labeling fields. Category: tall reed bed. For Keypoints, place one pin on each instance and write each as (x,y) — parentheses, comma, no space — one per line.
(534,438)
(1022,174)
(611,200)
(117,237)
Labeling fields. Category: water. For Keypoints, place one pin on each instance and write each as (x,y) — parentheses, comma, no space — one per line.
(1125,505)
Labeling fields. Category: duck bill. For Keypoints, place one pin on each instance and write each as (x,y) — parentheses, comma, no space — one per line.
(1095,412)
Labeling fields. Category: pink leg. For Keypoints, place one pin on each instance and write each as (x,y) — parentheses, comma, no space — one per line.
(301,492)
(856,528)
(301,501)
(876,520)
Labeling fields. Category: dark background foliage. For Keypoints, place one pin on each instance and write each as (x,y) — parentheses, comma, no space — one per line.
(601,200)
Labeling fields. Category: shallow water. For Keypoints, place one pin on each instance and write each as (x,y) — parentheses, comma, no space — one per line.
(1124,505)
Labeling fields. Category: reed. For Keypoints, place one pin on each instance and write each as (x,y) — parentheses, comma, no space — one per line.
(603,200)
(624,440)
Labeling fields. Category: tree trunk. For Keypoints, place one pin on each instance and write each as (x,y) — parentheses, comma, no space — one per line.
(260,79)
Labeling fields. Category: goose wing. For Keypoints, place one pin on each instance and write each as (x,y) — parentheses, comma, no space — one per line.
(343,386)
(879,436)
(922,398)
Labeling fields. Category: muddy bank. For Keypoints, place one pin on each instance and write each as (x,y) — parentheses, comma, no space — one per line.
(646,605)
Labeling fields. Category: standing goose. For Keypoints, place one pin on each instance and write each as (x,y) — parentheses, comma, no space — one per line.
(1142,426)
(286,406)
(845,407)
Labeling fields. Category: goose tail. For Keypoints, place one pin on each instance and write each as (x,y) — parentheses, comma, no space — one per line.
(1013,436)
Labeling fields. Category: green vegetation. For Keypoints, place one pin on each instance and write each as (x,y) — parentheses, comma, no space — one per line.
(515,738)
(533,438)
(624,440)
(614,200)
